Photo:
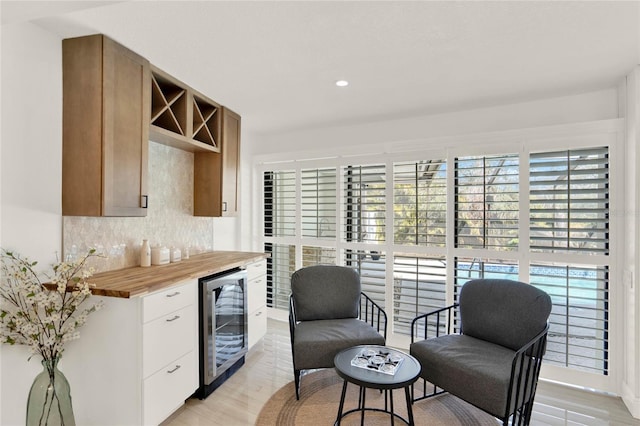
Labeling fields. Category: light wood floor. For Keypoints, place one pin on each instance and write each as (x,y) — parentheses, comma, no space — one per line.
(268,367)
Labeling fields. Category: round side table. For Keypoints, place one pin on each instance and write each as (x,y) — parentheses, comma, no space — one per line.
(369,378)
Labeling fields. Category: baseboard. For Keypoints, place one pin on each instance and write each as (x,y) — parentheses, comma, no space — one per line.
(631,401)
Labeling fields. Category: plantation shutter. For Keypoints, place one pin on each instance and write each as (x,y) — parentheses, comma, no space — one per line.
(280,266)
(279,203)
(487,202)
(569,201)
(419,286)
(364,203)
(372,269)
(579,323)
(318,202)
(419,203)
(313,255)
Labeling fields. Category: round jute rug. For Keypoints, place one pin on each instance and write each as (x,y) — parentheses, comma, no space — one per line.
(320,398)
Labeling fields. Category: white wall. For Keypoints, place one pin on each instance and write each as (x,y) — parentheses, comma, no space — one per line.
(356,138)
(630,90)
(31,170)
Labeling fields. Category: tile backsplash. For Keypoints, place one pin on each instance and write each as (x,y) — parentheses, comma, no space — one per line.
(169,221)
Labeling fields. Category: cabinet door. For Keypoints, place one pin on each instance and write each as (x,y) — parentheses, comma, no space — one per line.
(166,390)
(126,106)
(230,161)
(105,128)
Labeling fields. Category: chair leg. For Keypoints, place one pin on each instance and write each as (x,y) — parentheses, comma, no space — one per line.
(296,377)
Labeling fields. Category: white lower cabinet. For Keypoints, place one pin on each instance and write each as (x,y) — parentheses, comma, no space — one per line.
(169,350)
(257,301)
(138,359)
(166,390)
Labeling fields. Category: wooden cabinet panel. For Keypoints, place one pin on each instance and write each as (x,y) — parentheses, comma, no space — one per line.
(207,184)
(230,161)
(106,102)
(216,176)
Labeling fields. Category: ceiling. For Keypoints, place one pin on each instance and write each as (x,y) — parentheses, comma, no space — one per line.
(276,63)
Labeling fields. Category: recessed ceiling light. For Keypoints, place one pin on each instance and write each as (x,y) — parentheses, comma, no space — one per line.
(342,83)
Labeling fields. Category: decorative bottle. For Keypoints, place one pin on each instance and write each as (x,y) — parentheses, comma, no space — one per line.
(145,253)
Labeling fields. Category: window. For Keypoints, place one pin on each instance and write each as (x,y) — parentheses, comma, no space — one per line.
(419,286)
(569,207)
(318,202)
(318,256)
(420,202)
(364,203)
(569,197)
(372,270)
(280,267)
(452,218)
(579,322)
(487,204)
(280,203)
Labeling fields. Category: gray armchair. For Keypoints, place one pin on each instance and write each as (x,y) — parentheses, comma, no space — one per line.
(494,361)
(329,313)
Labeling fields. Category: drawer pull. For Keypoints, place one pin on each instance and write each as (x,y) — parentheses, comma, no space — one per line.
(175,293)
(173,370)
(173,319)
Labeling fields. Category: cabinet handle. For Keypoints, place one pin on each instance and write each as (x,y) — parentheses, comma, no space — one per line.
(173,294)
(173,319)
(144,201)
(224,206)
(173,370)
(259,313)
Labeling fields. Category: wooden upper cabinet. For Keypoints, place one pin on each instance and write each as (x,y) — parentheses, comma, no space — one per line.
(216,175)
(106,109)
(230,161)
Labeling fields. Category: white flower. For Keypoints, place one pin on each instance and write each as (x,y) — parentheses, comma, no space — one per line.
(43,316)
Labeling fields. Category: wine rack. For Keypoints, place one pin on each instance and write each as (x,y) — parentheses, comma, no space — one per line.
(206,122)
(168,105)
(182,117)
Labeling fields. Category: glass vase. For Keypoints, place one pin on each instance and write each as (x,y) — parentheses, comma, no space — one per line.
(49,402)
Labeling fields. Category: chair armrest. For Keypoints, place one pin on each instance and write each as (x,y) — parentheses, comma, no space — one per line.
(426,319)
(292,316)
(373,314)
(525,369)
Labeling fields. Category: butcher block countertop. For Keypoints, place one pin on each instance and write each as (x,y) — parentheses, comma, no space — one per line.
(138,281)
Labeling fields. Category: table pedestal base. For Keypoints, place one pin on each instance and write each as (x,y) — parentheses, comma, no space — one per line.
(388,406)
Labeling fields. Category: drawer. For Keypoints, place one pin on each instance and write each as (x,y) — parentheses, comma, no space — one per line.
(257,325)
(166,390)
(171,299)
(167,338)
(256,293)
(256,269)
